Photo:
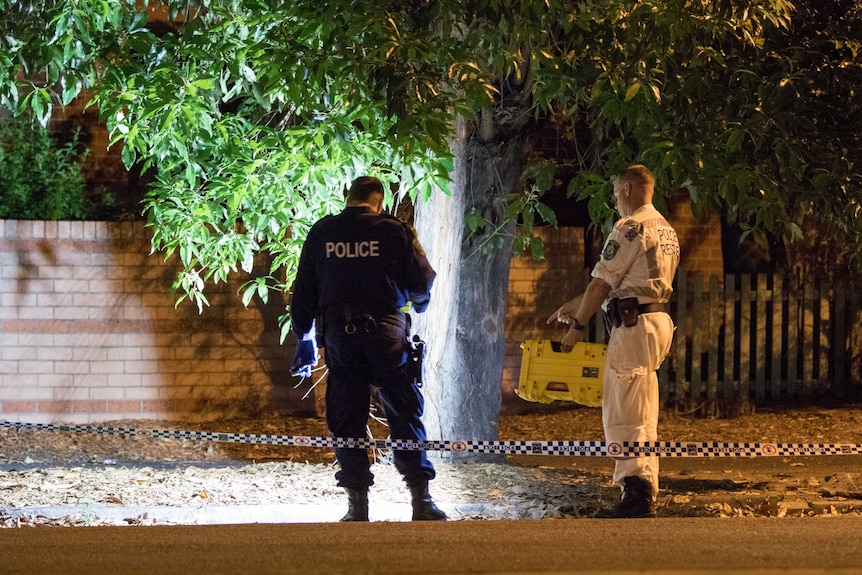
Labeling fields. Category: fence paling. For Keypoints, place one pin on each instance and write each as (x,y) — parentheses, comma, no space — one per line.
(761,337)
(680,344)
(854,340)
(807,332)
(826,327)
(697,366)
(792,338)
(745,347)
(777,325)
(840,335)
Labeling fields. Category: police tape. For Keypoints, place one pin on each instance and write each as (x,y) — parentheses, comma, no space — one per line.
(565,448)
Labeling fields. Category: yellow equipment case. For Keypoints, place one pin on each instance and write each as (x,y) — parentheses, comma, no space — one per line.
(549,374)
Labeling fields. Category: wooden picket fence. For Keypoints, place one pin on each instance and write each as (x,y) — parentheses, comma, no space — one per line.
(760,338)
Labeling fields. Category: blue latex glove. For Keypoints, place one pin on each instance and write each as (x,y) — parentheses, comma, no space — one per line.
(305,358)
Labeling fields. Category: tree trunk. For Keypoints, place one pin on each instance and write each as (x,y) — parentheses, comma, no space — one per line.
(464,326)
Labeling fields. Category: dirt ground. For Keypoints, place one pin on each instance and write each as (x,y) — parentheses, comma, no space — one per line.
(49,468)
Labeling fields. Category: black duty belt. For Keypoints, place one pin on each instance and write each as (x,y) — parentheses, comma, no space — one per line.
(652,307)
(625,311)
(358,317)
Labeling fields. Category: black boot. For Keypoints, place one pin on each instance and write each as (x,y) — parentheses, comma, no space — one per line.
(357,501)
(636,501)
(423,506)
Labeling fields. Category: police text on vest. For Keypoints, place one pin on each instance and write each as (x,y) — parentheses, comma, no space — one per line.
(353,249)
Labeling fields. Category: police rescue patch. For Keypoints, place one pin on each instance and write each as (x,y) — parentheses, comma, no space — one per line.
(611,249)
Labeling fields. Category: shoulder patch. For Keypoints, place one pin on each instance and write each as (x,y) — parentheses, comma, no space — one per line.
(611,249)
(632,233)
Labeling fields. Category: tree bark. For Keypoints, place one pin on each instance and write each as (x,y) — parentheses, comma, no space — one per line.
(464,326)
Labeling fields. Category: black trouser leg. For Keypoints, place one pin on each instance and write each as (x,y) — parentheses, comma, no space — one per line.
(403,405)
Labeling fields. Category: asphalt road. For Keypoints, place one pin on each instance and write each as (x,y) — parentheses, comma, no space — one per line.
(588,546)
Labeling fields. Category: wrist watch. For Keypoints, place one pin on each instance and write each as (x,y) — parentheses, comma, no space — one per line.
(576,325)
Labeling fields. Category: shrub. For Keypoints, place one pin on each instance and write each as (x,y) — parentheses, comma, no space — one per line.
(39,179)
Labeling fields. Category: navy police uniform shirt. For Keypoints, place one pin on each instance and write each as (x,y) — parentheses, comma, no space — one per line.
(363,258)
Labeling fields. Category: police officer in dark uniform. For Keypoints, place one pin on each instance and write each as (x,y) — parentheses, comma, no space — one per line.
(357,272)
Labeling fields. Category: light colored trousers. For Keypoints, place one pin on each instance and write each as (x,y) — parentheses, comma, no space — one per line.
(630,399)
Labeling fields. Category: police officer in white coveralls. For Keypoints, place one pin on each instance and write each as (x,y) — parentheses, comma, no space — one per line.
(632,284)
(358,271)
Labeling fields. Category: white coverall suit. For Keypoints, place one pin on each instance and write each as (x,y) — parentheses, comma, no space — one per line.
(639,259)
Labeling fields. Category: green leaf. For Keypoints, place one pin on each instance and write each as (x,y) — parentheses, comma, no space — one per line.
(474,220)
(537,248)
(128,156)
(249,289)
(204,83)
(547,214)
(632,91)
(734,140)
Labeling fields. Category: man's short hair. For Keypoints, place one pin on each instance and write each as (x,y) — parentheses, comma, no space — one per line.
(363,188)
(639,175)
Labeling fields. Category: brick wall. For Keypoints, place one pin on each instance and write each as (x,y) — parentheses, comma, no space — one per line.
(89,332)
(699,237)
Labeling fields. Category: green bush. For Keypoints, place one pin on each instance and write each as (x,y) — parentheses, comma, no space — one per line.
(39,179)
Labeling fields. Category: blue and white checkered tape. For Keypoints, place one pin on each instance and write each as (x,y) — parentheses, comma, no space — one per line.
(564,448)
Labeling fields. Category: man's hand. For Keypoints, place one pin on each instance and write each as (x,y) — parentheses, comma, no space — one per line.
(566,311)
(565,314)
(305,358)
(572,337)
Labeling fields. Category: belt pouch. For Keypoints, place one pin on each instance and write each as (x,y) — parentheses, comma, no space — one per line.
(628,310)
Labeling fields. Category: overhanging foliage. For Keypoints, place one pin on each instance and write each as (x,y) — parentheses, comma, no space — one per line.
(253,115)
